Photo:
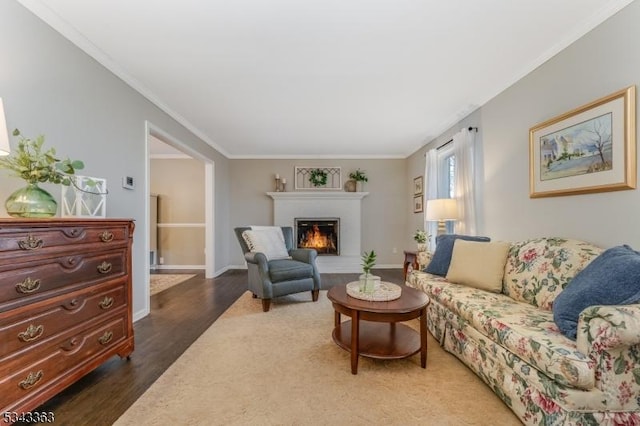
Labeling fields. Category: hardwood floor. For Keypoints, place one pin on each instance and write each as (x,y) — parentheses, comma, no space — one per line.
(179,315)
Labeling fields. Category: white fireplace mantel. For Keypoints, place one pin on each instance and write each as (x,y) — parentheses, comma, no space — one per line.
(287,206)
(317,195)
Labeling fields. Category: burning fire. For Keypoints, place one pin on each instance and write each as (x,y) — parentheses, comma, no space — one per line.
(315,239)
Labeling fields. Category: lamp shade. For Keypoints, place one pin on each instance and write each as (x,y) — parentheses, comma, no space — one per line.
(442,209)
(4,135)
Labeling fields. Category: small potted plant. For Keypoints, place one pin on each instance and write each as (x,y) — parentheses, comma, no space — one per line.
(360,177)
(421,237)
(35,165)
(368,282)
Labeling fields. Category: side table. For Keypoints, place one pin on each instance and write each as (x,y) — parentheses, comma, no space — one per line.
(410,262)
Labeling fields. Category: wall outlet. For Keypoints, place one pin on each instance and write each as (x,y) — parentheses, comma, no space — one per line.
(394,250)
(161,260)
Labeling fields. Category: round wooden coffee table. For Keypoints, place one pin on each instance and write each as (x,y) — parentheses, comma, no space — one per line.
(375,330)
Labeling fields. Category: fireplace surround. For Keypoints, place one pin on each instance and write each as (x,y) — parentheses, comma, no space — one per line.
(347,206)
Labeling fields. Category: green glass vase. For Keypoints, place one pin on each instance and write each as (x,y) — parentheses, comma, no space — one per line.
(31,202)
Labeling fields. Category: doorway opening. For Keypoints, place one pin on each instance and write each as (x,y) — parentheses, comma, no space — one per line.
(172,228)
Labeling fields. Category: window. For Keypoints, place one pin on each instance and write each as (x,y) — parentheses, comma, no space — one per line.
(446,176)
(451,167)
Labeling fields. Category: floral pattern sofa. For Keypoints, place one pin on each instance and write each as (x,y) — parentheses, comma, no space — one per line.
(511,341)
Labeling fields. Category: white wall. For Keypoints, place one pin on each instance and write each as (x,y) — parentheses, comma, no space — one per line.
(605,60)
(51,87)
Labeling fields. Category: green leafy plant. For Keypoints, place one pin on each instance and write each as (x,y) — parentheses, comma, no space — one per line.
(359,176)
(35,165)
(318,177)
(421,236)
(368,261)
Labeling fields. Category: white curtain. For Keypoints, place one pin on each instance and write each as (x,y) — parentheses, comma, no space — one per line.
(463,149)
(430,193)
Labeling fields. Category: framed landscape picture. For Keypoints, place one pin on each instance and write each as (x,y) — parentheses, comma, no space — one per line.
(417,204)
(589,149)
(418,183)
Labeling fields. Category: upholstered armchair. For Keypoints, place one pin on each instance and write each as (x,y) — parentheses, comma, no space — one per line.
(275,277)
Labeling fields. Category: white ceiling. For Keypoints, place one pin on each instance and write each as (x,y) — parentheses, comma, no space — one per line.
(321,78)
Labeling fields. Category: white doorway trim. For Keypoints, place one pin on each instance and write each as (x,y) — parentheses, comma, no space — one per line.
(157,132)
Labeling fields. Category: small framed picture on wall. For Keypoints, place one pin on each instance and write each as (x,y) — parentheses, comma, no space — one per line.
(417,185)
(417,204)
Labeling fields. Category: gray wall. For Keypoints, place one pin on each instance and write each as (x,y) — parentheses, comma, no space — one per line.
(383,210)
(605,60)
(602,62)
(416,165)
(51,87)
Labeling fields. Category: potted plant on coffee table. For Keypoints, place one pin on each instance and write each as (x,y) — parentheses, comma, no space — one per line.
(368,282)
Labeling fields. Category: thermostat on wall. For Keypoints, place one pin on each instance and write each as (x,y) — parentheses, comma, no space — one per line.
(127,182)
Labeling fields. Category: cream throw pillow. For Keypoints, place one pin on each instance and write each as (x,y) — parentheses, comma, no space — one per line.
(270,242)
(478,264)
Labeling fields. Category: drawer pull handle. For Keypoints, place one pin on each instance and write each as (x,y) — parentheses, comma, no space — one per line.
(31,380)
(33,332)
(106,236)
(104,267)
(28,286)
(31,243)
(106,303)
(105,338)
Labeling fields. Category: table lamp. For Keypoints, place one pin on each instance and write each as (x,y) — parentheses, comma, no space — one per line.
(440,210)
(4,136)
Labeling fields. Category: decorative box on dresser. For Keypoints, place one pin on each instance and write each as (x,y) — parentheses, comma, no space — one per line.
(65,304)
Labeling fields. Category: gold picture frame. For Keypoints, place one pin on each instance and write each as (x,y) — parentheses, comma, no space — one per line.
(589,149)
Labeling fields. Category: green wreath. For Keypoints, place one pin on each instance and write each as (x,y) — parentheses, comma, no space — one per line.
(318,177)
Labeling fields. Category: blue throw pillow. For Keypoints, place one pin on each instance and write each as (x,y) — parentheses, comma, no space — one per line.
(613,278)
(439,264)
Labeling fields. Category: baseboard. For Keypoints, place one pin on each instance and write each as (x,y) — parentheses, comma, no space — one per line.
(179,267)
(236,267)
(215,274)
(223,270)
(330,269)
(388,266)
(141,314)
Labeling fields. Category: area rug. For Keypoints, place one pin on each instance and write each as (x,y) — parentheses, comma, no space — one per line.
(282,368)
(161,282)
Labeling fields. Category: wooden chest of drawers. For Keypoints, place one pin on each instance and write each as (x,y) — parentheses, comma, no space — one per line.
(65,304)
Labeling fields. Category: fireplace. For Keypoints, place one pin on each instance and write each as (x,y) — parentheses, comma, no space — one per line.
(321,234)
(289,205)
